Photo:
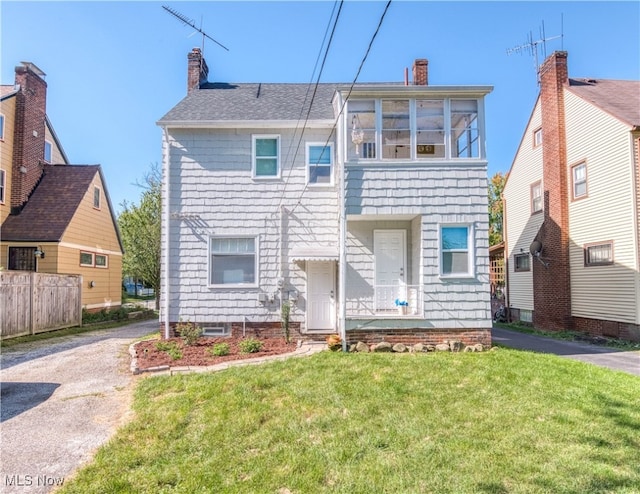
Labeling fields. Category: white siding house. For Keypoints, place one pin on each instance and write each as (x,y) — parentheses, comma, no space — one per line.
(586,277)
(369,216)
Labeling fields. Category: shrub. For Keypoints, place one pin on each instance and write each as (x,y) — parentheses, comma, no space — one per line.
(171,348)
(189,332)
(219,350)
(250,345)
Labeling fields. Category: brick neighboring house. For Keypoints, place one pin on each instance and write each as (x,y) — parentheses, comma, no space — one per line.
(571,207)
(55,217)
(372,222)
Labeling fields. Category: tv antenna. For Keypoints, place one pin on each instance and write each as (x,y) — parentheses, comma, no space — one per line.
(532,47)
(189,22)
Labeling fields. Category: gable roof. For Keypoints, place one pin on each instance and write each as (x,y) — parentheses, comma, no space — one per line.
(52,204)
(620,99)
(253,101)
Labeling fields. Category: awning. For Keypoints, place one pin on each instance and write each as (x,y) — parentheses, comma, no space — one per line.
(300,254)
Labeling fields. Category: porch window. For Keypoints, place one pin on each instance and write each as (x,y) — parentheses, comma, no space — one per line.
(233,261)
(396,130)
(455,252)
(320,164)
(464,129)
(266,156)
(362,119)
(430,129)
(22,258)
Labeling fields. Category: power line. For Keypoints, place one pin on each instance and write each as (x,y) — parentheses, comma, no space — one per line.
(364,59)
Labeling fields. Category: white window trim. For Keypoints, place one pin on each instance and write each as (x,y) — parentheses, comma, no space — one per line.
(235,285)
(254,138)
(3,185)
(106,261)
(329,145)
(44,151)
(537,184)
(2,121)
(470,274)
(93,259)
(575,197)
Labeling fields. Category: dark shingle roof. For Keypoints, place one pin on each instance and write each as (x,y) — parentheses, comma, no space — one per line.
(51,206)
(620,99)
(253,101)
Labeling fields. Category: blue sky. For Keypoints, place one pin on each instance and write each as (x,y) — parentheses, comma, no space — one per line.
(115,68)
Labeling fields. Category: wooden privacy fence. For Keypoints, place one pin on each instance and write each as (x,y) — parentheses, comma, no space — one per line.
(33,303)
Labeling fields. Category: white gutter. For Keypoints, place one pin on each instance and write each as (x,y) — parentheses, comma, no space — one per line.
(165,223)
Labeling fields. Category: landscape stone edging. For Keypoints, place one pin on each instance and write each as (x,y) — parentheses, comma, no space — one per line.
(302,350)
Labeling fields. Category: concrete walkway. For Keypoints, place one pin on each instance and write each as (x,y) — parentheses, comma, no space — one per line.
(585,352)
(60,400)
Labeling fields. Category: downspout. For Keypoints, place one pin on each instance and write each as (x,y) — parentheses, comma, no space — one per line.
(166,220)
(342,237)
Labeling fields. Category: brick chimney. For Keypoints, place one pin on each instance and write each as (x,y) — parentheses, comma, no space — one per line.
(29,133)
(552,288)
(197,71)
(421,72)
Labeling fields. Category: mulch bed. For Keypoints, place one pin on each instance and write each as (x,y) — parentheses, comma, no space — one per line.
(149,356)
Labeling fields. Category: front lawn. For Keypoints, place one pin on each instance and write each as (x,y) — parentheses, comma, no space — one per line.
(504,421)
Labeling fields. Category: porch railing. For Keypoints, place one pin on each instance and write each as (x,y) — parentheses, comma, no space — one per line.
(387,301)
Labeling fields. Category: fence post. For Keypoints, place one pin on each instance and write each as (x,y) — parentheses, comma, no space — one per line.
(80,299)
(32,295)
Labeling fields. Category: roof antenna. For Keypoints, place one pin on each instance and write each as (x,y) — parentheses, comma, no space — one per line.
(531,47)
(189,22)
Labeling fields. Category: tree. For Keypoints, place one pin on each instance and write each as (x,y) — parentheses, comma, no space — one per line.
(140,232)
(496,185)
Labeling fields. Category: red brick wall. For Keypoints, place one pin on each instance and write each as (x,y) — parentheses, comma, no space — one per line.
(552,289)
(610,329)
(29,133)
(425,336)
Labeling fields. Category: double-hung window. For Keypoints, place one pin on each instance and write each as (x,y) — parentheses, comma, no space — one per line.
(266,156)
(48,147)
(579,179)
(96,197)
(3,178)
(233,261)
(456,251)
(1,127)
(319,164)
(536,197)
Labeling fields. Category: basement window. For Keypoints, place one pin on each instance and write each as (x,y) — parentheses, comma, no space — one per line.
(223,329)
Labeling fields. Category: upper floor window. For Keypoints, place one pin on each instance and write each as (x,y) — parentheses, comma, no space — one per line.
(266,156)
(579,180)
(537,137)
(455,251)
(413,129)
(47,151)
(1,127)
(233,261)
(3,178)
(96,197)
(430,129)
(536,197)
(319,164)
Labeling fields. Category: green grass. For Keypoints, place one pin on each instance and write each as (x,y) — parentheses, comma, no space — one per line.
(498,422)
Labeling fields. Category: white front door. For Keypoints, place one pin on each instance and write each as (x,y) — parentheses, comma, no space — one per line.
(321,300)
(389,252)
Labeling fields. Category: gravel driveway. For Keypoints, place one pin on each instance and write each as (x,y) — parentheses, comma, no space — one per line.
(60,400)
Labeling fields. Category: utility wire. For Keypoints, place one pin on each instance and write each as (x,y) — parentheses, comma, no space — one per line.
(315,90)
(364,59)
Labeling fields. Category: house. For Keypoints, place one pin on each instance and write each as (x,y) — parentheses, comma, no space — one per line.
(571,207)
(55,217)
(363,207)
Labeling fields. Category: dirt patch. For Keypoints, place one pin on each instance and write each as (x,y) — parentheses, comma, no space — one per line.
(148,353)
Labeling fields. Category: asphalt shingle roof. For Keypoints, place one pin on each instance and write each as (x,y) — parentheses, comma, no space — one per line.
(253,101)
(52,204)
(618,98)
